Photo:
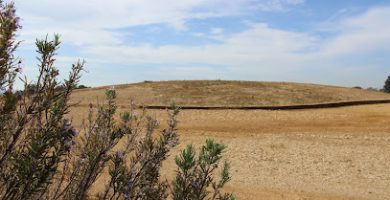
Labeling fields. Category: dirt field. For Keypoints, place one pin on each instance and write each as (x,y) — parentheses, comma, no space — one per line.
(338,153)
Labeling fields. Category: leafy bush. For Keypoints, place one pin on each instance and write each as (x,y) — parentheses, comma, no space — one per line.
(44,156)
(386,87)
(195,175)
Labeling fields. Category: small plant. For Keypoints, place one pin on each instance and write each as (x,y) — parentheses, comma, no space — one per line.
(44,156)
(194,179)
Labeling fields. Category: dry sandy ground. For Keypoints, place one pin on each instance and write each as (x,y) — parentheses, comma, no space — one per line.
(338,153)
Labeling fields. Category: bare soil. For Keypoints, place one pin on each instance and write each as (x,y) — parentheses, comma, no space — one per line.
(337,153)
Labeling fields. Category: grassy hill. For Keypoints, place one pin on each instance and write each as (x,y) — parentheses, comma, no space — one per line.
(223,93)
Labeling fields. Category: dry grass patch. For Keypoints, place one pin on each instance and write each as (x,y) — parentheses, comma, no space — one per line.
(228,93)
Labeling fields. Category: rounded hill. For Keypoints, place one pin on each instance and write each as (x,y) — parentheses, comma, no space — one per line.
(227,93)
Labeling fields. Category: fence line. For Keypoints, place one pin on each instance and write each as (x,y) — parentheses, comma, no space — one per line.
(287,107)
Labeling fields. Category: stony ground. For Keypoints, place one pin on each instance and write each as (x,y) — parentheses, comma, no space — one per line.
(340,153)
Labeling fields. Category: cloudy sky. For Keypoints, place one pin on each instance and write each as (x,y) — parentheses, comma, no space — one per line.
(337,42)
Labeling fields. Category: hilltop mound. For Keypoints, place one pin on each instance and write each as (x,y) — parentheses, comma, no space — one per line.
(227,93)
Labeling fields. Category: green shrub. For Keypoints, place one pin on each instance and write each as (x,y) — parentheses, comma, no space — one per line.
(43,156)
(82,87)
(386,87)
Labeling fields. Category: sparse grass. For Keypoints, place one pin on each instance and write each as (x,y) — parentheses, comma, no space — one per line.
(228,93)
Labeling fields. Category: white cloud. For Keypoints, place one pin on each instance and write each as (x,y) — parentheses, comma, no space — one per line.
(264,50)
(255,50)
(361,34)
(261,50)
(216,31)
(276,5)
(79,21)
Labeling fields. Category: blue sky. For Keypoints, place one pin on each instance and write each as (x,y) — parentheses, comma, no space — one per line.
(332,42)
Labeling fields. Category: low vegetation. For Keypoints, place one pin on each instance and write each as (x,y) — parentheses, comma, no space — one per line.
(228,93)
(44,156)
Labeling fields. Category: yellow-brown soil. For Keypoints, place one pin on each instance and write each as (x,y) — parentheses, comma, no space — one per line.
(336,153)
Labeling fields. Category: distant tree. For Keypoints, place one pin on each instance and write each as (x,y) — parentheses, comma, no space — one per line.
(81,87)
(386,87)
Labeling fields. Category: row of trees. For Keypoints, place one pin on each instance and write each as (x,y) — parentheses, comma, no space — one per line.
(44,156)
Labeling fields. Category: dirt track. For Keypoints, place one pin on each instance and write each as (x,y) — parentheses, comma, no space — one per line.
(338,153)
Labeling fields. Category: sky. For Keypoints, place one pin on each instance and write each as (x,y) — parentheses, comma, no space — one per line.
(333,42)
